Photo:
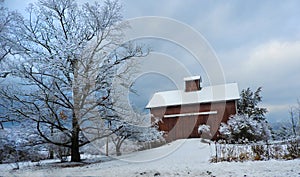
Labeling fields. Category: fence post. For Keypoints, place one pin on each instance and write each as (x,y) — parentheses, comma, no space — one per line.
(268,150)
(216,151)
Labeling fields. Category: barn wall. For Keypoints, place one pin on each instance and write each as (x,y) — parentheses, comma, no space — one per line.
(187,126)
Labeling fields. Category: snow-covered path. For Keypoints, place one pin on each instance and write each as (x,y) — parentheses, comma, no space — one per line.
(185,150)
(179,158)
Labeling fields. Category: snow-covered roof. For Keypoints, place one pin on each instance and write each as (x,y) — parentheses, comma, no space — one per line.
(192,78)
(215,93)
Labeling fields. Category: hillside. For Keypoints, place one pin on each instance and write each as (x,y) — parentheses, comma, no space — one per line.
(179,158)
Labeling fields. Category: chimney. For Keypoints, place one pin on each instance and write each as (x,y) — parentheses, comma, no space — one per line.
(192,83)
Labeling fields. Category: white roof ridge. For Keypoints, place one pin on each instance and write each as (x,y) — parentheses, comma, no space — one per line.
(192,78)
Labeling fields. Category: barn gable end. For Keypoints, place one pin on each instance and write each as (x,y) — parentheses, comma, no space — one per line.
(182,111)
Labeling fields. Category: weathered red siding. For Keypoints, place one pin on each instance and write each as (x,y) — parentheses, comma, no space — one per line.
(187,126)
(192,85)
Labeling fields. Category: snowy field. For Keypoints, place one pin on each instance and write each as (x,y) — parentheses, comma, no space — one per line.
(180,158)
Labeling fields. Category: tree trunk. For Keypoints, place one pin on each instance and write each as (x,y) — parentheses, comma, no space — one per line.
(118,145)
(51,151)
(51,154)
(118,150)
(75,155)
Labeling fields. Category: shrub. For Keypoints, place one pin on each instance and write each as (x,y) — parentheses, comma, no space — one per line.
(293,149)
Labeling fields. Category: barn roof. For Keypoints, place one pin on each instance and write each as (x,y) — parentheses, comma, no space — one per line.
(215,93)
(192,78)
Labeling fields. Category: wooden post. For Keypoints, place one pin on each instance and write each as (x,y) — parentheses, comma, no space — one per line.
(268,152)
(216,151)
(106,150)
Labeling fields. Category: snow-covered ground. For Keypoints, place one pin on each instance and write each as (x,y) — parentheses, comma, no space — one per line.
(180,158)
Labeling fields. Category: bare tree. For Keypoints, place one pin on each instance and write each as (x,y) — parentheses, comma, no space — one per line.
(129,124)
(290,128)
(134,132)
(295,120)
(68,56)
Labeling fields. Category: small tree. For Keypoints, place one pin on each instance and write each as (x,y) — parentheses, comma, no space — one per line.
(295,120)
(291,128)
(204,131)
(136,133)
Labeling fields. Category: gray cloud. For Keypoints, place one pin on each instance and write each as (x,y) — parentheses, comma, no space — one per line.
(257,42)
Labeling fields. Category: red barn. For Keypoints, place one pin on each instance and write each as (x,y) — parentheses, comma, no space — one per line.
(182,111)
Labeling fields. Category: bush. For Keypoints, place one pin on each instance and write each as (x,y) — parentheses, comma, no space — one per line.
(293,149)
(12,154)
(259,151)
(243,152)
(244,129)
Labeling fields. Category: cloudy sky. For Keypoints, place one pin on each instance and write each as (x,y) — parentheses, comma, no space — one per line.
(256,42)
